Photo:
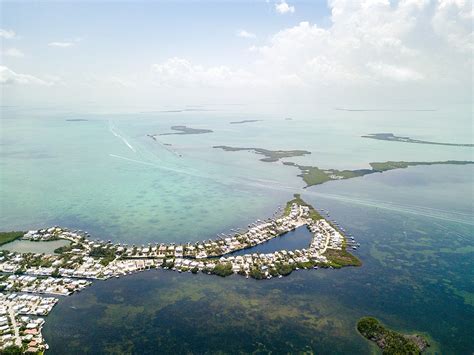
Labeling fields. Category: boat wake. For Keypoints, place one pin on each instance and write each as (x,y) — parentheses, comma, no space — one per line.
(113,130)
(449,216)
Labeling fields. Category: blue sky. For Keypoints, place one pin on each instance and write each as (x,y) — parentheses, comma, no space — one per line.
(287,47)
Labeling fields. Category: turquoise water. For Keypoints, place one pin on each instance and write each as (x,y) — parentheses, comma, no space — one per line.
(417,276)
(104,175)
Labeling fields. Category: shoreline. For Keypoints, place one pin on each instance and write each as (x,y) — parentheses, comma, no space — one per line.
(37,278)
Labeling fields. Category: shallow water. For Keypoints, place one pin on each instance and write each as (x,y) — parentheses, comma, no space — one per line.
(28,246)
(417,276)
(107,177)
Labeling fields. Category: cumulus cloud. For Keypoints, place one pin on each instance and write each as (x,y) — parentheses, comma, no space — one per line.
(375,43)
(13,52)
(182,73)
(7,34)
(283,7)
(368,45)
(245,34)
(9,77)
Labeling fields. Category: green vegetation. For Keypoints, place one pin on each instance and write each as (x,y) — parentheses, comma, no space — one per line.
(340,258)
(390,341)
(256,273)
(56,273)
(313,175)
(7,237)
(390,165)
(186,130)
(270,155)
(223,269)
(12,350)
(106,254)
(37,261)
(298,200)
(68,248)
(393,138)
(284,269)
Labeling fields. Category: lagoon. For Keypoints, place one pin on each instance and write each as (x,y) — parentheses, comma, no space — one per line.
(28,246)
(299,238)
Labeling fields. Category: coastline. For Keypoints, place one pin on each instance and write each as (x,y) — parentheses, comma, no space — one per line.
(76,265)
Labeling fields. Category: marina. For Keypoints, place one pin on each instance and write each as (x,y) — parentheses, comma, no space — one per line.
(296,238)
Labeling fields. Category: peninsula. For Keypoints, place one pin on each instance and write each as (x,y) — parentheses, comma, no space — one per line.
(393,138)
(313,175)
(74,266)
(270,155)
(185,130)
(390,341)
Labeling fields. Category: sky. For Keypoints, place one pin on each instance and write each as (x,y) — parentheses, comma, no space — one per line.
(370,52)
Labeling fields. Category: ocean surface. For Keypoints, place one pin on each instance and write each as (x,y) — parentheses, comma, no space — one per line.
(104,174)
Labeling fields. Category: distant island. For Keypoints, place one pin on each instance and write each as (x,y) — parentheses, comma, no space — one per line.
(186,130)
(312,175)
(393,138)
(76,120)
(383,110)
(390,341)
(244,121)
(270,155)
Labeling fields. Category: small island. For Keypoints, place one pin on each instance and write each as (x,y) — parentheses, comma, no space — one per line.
(244,121)
(77,120)
(270,155)
(390,341)
(393,138)
(312,175)
(185,130)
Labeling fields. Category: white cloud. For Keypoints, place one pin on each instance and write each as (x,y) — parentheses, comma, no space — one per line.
(9,77)
(374,42)
(367,47)
(284,8)
(245,34)
(394,72)
(65,44)
(13,52)
(7,34)
(182,73)
(61,44)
